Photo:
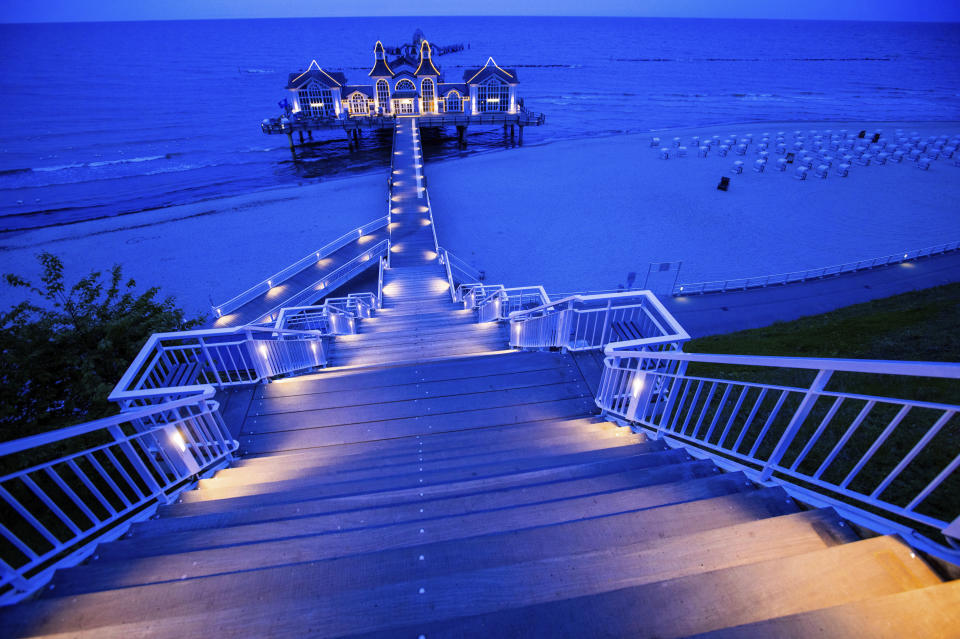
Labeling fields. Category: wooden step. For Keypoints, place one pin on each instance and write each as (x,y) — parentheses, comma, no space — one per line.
(923,613)
(471,495)
(677,607)
(279,586)
(450,369)
(330,486)
(658,521)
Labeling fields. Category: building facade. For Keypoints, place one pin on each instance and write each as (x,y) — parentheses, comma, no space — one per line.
(403,87)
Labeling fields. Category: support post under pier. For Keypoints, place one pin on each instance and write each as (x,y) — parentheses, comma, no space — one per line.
(301,136)
(520,139)
(293,150)
(461,129)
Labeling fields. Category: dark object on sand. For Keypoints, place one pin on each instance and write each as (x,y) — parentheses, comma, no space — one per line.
(724,184)
(790,157)
(861,134)
(876,138)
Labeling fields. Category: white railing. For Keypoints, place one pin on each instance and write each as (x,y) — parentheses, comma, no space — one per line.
(744,283)
(58,506)
(171,365)
(336,316)
(457,271)
(861,453)
(261,288)
(328,282)
(584,322)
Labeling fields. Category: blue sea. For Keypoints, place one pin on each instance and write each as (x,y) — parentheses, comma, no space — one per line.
(106,119)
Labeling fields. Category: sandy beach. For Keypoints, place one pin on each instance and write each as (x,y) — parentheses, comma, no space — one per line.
(499,211)
(522,215)
(205,251)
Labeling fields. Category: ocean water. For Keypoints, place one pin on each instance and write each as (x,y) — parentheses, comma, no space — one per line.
(107,119)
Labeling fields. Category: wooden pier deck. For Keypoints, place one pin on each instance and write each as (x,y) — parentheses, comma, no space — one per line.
(432,485)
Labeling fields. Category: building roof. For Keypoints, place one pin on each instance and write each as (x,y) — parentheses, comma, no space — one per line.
(405,94)
(444,88)
(353,88)
(490,68)
(426,66)
(314,72)
(380,66)
(402,62)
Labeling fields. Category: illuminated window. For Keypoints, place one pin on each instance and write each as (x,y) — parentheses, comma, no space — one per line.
(358,104)
(453,102)
(383,95)
(429,104)
(403,106)
(493,95)
(316,101)
(404,85)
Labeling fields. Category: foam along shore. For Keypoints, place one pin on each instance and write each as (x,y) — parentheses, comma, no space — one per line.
(582,215)
(205,250)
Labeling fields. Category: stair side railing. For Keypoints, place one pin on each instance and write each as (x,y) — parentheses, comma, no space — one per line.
(265,286)
(171,365)
(891,465)
(336,316)
(329,282)
(58,505)
(588,322)
(459,273)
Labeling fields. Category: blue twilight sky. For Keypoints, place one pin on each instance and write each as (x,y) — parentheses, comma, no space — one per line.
(106,10)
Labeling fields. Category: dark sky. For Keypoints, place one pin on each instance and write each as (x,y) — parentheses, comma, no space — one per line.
(94,10)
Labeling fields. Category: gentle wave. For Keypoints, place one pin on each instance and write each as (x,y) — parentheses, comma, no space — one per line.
(80,165)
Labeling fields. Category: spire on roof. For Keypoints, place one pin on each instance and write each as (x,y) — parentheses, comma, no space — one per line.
(380,66)
(426,66)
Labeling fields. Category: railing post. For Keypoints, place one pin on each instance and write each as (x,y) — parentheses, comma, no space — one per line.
(606,323)
(806,405)
(213,368)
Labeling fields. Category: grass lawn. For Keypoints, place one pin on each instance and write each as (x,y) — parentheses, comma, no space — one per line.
(921,325)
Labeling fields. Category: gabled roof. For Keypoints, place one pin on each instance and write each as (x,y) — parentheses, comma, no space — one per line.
(404,73)
(402,62)
(490,68)
(314,72)
(380,66)
(426,66)
(446,87)
(354,88)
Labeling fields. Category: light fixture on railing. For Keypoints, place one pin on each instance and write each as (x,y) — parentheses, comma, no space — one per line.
(637,384)
(263,350)
(178,441)
(269,283)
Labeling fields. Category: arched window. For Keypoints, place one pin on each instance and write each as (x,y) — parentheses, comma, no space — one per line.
(493,95)
(383,95)
(405,85)
(453,102)
(316,100)
(428,101)
(358,104)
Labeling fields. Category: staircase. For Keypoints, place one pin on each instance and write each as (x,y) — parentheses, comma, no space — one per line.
(481,496)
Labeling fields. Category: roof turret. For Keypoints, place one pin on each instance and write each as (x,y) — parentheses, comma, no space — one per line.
(380,67)
(426,66)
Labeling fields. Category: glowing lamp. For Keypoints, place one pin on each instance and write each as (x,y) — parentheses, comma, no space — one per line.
(178,441)
(270,283)
(263,350)
(637,385)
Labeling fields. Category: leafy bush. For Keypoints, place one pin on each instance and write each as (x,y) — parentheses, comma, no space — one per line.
(63,349)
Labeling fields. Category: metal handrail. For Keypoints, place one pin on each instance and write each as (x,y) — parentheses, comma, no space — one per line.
(801,438)
(744,283)
(278,278)
(63,507)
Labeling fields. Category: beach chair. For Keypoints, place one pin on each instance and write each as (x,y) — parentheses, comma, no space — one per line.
(759,165)
(915,154)
(822,171)
(764,155)
(724,184)
(923,164)
(781,149)
(948,152)
(695,141)
(722,151)
(881,158)
(654,142)
(738,166)
(676,141)
(682,151)
(782,164)
(703,151)
(843,170)
(864,160)
(897,156)
(801,173)
(664,154)
(741,149)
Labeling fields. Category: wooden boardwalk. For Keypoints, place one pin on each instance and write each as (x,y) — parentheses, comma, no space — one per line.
(262,304)
(432,485)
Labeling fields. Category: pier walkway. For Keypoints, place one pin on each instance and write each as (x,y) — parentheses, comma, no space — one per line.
(432,483)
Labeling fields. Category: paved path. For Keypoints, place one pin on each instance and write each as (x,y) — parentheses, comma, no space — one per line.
(717,313)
